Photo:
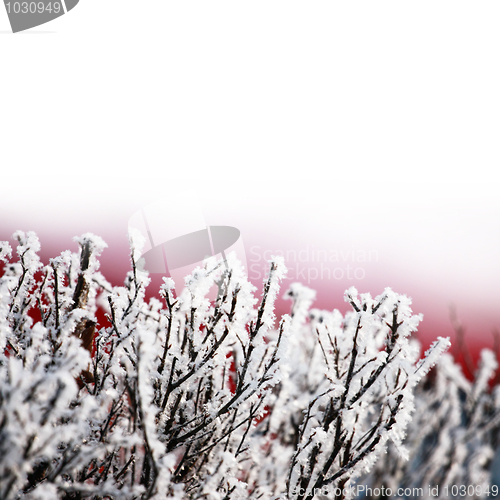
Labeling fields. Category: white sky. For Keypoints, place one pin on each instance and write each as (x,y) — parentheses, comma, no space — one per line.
(371,123)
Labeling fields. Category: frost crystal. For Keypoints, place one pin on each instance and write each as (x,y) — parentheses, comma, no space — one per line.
(183,397)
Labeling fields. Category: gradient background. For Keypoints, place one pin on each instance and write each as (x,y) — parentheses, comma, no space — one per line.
(361,126)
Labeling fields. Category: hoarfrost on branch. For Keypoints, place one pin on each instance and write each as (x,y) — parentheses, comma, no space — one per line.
(182,397)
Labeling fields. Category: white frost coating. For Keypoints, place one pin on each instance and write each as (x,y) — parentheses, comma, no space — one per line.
(27,242)
(432,355)
(189,397)
(137,242)
(487,368)
(168,284)
(272,283)
(96,242)
(5,251)
(302,298)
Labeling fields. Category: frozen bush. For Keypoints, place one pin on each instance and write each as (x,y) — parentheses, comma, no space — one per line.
(181,397)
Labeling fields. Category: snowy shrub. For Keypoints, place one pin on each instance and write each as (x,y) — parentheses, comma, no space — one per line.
(453,435)
(182,397)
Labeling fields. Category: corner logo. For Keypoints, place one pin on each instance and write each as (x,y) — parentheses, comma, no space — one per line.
(24,15)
